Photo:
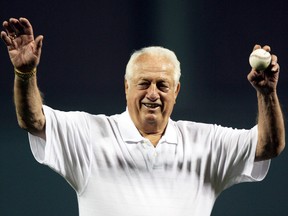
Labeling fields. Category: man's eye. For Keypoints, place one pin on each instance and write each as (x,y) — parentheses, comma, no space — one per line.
(163,87)
(143,85)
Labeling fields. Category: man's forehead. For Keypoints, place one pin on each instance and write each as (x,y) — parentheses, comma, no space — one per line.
(147,76)
(149,62)
(157,75)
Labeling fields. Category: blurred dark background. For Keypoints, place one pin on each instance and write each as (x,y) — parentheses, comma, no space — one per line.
(86,47)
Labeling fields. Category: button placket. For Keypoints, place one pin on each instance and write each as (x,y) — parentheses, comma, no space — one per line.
(152,155)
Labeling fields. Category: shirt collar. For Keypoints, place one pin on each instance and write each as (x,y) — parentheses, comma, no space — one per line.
(130,133)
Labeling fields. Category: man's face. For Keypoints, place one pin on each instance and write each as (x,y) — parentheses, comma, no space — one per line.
(151,93)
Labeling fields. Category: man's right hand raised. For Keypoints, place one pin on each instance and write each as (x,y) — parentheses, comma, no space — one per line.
(24,50)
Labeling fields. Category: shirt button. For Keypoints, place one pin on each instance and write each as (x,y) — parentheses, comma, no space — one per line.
(145,144)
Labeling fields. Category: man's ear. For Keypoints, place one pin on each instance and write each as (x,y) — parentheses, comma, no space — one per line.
(177,90)
(126,86)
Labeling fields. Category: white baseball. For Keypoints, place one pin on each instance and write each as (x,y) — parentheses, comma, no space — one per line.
(260,59)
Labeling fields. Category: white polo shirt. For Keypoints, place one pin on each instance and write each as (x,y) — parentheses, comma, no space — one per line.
(115,171)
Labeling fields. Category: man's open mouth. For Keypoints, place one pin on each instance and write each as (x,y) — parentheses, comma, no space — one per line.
(149,105)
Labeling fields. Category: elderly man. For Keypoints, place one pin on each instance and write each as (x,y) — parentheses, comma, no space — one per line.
(141,162)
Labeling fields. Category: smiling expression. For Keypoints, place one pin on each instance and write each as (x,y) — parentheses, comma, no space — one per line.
(151,93)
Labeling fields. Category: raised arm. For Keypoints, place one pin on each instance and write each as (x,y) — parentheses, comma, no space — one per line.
(24,54)
(271,131)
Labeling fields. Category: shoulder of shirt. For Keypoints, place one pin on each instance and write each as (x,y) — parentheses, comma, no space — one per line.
(81,112)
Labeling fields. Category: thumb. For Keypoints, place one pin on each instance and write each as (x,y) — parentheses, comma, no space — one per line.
(39,43)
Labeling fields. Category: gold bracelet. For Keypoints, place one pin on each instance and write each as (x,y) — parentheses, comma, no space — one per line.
(25,75)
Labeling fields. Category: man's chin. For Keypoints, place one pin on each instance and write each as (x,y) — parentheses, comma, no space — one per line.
(152,119)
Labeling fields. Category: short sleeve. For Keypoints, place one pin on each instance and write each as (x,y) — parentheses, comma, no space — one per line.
(235,160)
(67,148)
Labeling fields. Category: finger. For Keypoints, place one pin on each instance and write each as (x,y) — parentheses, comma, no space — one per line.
(274,60)
(17,27)
(254,75)
(7,40)
(9,29)
(256,46)
(267,48)
(21,26)
(275,68)
(26,25)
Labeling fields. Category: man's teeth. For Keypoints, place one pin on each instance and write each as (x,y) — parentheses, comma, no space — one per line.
(151,105)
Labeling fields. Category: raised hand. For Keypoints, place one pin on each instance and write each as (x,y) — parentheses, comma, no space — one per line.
(24,50)
(265,81)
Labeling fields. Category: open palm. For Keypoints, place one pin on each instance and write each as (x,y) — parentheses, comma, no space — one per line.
(23,50)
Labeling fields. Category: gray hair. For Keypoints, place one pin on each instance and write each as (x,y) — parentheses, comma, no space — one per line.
(154,50)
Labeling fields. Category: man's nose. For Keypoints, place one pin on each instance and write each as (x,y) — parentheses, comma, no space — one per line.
(152,93)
